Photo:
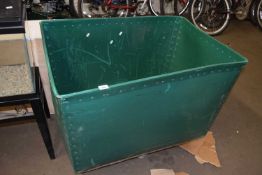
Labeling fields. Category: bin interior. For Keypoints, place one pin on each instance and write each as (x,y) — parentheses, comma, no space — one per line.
(84,54)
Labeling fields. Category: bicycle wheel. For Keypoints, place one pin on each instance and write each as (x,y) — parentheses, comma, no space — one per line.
(156,7)
(180,6)
(87,9)
(210,16)
(168,7)
(142,9)
(252,13)
(258,13)
(197,10)
(73,8)
(84,9)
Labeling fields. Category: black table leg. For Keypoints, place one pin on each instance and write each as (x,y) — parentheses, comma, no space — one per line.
(38,110)
(45,104)
(41,93)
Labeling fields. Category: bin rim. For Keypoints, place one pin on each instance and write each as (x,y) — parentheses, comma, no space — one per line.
(87,91)
(93,90)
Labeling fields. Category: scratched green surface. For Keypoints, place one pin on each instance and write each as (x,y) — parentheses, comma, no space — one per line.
(167,81)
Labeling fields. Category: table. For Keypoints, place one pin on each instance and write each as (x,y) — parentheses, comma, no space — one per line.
(38,102)
(20,81)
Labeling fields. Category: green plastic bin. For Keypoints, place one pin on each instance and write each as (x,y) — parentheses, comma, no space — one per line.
(125,86)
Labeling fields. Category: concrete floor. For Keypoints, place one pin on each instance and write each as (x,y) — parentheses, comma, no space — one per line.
(237,130)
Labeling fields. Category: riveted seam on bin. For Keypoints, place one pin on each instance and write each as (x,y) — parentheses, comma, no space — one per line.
(77,158)
(69,137)
(105,95)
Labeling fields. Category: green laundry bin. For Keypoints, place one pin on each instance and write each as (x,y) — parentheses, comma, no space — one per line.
(126,86)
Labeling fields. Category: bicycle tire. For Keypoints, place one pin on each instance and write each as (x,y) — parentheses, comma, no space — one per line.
(73,8)
(180,6)
(156,7)
(213,19)
(80,9)
(252,13)
(258,13)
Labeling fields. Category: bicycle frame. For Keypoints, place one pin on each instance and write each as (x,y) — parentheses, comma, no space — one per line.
(144,3)
(109,3)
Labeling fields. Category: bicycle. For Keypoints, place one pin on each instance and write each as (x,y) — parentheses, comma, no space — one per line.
(210,16)
(47,9)
(104,8)
(213,16)
(173,7)
(258,13)
(116,8)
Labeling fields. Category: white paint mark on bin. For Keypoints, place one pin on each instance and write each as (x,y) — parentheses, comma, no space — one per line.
(103,87)
(9,7)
